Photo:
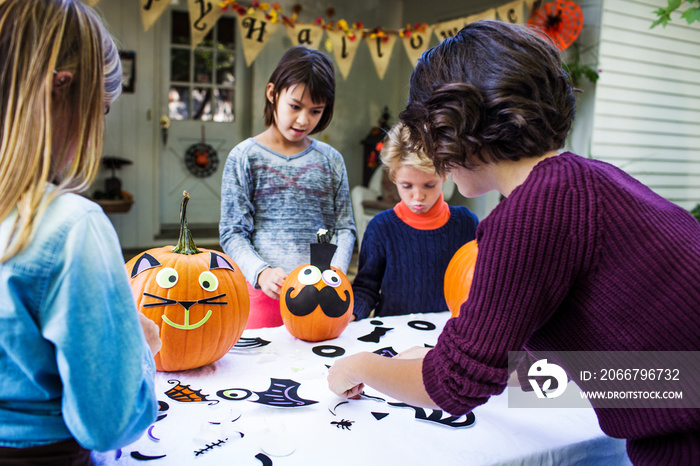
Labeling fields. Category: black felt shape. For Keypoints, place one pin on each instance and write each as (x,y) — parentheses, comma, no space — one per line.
(388,352)
(376,334)
(282,393)
(264,459)
(310,297)
(379,416)
(436,416)
(422,325)
(143,263)
(328,351)
(256,342)
(218,262)
(141,457)
(322,254)
(376,322)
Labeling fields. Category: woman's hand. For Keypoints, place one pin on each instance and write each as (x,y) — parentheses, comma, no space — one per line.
(271,280)
(344,378)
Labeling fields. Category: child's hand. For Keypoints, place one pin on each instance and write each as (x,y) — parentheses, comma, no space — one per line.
(271,280)
(152,333)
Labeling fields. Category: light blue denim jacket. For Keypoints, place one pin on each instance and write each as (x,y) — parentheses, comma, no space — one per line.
(73,358)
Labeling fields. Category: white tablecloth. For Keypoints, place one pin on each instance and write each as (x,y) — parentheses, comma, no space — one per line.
(223,429)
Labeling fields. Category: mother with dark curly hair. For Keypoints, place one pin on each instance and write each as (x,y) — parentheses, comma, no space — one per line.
(579,256)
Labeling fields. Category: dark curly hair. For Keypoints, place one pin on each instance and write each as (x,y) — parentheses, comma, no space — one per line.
(494,91)
(301,65)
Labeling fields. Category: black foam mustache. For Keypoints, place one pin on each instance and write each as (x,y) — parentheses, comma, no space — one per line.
(309,297)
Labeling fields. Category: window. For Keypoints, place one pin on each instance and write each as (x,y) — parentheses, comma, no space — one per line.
(202,80)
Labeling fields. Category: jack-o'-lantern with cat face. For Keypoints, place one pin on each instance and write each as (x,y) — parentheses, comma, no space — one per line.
(316,300)
(197,297)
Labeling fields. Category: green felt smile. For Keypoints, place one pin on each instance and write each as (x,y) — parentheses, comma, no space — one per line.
(187,325)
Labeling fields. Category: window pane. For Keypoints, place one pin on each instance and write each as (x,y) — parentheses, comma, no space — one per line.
(202,104)
(203,64)
(224,105)
(179,65)
(180,33)
(178,105)
(224,69)
(225,34)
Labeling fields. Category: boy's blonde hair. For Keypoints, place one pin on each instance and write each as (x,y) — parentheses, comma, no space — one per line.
(40,38)
(398,151)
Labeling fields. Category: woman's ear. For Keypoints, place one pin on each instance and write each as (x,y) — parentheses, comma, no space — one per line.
(270,93)
(61,82)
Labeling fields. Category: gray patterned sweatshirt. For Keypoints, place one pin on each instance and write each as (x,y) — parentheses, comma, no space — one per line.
(272,205)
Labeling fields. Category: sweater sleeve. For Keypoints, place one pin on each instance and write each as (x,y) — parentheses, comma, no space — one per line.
(345,232)
(237,211)
(370,271)
(531,248)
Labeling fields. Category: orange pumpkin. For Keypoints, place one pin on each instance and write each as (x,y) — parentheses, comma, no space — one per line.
(316,300)
(459,275)
(197,297)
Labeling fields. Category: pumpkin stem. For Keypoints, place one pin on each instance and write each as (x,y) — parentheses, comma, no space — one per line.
(185,243)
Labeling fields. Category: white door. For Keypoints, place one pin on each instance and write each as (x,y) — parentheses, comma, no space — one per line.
(199,92)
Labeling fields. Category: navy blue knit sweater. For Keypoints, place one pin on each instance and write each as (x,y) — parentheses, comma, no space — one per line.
(406,264)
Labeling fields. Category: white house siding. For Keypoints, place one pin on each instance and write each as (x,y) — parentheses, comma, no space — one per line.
(647,108)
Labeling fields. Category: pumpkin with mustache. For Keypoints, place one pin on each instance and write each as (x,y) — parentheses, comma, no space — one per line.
(316,301)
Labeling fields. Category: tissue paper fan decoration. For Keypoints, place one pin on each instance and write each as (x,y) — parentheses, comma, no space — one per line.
(561,20)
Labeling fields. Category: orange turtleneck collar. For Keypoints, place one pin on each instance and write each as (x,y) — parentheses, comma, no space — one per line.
(437,216)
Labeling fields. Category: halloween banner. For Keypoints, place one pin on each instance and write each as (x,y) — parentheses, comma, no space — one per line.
(380,48)
(256,28)
(203,16)
(512,12)
(258,22)
(416,41)
(151,11)
(309,35)
(344,48)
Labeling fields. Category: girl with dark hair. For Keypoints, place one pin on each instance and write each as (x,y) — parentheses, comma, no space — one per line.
(579,256)
(281,186)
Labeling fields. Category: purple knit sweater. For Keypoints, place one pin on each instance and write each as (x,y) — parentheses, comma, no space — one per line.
(580,257)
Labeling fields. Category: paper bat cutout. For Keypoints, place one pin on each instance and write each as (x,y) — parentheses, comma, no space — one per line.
(282,393)
(467,420)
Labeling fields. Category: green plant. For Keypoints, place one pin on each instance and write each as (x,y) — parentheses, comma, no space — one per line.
(577,69)
(696,212)
(691,15)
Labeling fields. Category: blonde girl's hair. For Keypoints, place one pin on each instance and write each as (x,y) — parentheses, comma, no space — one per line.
(37,39)
(398,151)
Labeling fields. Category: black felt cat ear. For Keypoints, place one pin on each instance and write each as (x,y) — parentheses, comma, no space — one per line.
(218,262)
(143,263)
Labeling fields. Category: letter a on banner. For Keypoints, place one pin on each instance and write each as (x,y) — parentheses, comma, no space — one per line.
(380,49)
(203,16)
(417,43)
(151,11)
(344,49)
(309,35)
(256,31)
